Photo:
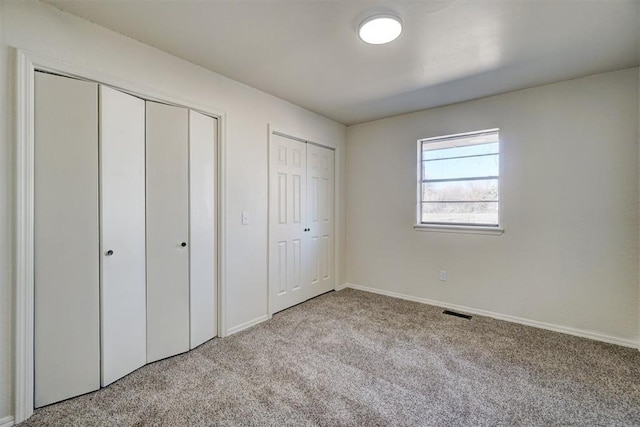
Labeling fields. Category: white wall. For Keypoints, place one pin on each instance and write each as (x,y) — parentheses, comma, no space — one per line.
(42,29)
(569,254)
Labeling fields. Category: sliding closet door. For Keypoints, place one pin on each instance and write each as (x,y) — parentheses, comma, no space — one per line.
(203,131)
(320,219)
(167,161)
(287,215)
(122,192)
(67,330)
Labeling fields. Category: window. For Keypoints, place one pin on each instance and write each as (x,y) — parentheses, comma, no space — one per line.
(459,180)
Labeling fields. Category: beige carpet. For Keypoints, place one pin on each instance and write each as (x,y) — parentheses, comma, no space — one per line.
(354,358)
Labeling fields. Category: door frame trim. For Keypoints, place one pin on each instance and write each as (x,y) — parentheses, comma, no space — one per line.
(278,130)
(27,63)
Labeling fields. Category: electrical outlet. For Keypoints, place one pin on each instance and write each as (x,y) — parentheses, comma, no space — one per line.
(245,218)
(443,275)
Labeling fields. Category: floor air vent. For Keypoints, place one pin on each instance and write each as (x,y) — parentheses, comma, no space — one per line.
(453,313)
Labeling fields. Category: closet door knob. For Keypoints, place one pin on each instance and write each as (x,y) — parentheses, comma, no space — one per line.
(109,252)
(183,244)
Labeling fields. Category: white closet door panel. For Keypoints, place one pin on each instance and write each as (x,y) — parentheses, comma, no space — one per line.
(202,195)
(288,242)
(167,197)
(122,193)
(67,331)
(321,198)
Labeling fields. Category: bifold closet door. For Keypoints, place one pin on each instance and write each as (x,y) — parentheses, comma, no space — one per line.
(301,206)
(122,194)
(288,272)
(203,131)
(167,203)
(320,219)
(67,323)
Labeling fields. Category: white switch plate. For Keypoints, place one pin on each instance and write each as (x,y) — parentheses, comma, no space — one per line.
(443,275)
(245,218)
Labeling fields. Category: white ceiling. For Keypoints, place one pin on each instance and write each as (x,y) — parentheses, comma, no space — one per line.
(308,51)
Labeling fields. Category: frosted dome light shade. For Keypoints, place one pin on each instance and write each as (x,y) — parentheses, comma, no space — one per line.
(380,29)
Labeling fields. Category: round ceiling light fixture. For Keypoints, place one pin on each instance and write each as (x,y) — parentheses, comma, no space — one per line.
(380,29)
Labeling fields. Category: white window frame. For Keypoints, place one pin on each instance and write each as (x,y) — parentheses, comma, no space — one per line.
(457,228)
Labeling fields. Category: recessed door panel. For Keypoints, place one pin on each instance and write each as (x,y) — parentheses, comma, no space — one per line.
(281,197)
(122,254)
(297,199)
(167,213)
(67,323)
(314,260)
(297,268)
(326,256)
(203,133)
(281,270)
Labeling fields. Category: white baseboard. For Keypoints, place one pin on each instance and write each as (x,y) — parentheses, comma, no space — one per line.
(245,325)
(597,336)
(7,421)
(342,286)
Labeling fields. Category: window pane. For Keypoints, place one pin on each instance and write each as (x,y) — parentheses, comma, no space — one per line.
(483,213)
(470,150)
(461,168)
(472,191)
(459,177)
(475,138)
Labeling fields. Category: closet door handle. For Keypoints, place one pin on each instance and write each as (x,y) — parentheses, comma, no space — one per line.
(183,244)
(109,252)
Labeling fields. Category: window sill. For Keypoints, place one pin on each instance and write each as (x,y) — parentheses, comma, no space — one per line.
(459,229)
